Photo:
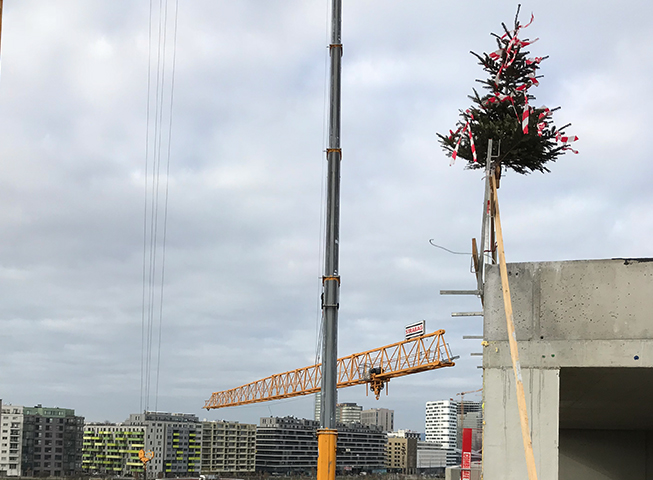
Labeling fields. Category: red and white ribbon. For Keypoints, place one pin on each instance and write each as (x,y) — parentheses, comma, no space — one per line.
(466,129)
(524,116)
(541,121)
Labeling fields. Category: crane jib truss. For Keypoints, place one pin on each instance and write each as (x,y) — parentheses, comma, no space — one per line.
(375,367)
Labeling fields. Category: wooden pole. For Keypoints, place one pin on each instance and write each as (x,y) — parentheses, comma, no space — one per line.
(512,339)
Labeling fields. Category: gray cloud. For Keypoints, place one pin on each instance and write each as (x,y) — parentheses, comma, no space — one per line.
(243,255)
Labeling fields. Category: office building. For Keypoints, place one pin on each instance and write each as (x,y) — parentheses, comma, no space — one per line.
(442,423)
(380,417)
(348,413)
(228,447)
(112,449)
(174,438)
(432,459)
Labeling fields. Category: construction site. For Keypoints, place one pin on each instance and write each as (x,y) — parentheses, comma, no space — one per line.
(565,351)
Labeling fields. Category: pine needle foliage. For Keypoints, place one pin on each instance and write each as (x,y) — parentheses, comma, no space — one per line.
(497,114)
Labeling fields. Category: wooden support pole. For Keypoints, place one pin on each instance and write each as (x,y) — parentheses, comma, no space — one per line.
(512,339)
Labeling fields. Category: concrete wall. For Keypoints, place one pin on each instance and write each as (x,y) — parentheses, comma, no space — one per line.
(568,316)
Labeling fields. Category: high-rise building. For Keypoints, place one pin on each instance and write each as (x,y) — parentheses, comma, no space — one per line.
(52,442)
(228,447)
(111,449)
(380,417)
(348,413)
(11,441)
(174,438)
(442,423)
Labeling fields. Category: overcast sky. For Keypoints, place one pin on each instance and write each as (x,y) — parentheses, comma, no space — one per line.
(247,169)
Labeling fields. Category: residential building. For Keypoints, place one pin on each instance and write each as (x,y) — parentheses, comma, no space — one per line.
(11,440)
(380,417)
(401,455)
(52,442)
(286,445)
(174,438)
(289,446)
(361,448)
(348,413)
(112,449)
(228,447)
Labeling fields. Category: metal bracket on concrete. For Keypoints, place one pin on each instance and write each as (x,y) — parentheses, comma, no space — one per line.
(474,354)
(459,292)
(466,314)
(472,337)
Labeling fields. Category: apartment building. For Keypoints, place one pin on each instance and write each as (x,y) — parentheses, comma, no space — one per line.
(11,440)
(174,438)
(401,455)
(52,442)
(112,449)
(228,447)
(289,446)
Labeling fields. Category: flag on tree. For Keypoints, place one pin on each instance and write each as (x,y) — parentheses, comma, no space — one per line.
(527,135)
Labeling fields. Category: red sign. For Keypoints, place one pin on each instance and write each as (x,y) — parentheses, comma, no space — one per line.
(466,463)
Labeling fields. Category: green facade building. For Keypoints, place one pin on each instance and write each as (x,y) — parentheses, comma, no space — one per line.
(111,449)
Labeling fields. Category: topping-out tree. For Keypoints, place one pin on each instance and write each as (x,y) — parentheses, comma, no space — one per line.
(527,136)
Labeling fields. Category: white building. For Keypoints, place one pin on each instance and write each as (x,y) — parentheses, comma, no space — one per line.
(404,433)
(442,423)
(11,440)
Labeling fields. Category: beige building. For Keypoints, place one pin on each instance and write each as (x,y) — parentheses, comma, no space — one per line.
(228,447)
(380,417)
(401,455)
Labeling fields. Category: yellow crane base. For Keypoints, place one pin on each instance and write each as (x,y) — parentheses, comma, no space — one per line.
(326,453)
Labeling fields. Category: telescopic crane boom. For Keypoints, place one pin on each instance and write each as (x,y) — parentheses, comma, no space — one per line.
(375,367)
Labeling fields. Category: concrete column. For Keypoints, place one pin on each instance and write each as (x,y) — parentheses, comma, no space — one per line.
(503,450)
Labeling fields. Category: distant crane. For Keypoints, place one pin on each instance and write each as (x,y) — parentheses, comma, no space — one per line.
(374,367)
(462,400)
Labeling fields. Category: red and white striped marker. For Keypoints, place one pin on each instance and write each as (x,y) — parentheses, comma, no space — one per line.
(524,116)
